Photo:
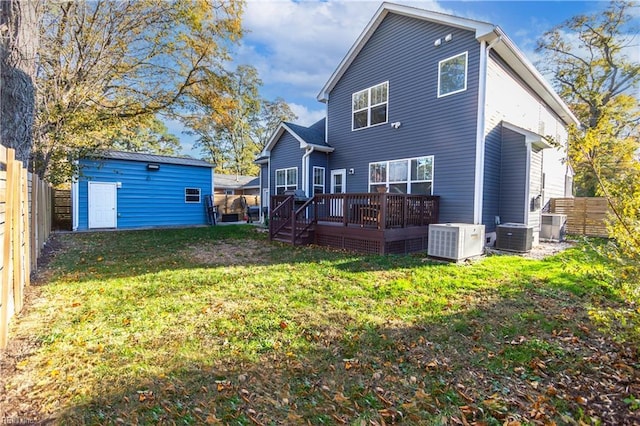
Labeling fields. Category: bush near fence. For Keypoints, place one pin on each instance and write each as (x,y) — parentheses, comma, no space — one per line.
(585,215)
(25,225)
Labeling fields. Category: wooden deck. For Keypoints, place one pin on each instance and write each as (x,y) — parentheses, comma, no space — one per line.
(359,222)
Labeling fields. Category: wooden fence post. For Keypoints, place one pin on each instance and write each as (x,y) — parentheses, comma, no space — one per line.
(26,249)
(6,251)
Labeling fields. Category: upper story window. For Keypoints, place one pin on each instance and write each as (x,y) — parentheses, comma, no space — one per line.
(406,176)
(452,75)
(286,180)
(369,106)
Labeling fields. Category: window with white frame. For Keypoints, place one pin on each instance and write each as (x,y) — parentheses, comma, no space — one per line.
(318,180)
(405,176)
(192,195)
(286,180)
(369,106)
(452,75)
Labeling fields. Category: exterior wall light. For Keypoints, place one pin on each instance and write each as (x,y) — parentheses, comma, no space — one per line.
(153,166)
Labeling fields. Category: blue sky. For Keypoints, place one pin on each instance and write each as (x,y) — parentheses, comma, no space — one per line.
(296,45)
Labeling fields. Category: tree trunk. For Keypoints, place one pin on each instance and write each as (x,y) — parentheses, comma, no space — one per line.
(18,50)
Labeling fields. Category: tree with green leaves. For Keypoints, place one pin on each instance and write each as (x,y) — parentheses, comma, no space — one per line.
(107,67)
(594,61)
(232,123)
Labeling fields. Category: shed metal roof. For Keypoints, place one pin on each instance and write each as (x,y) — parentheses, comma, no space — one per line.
(153,158)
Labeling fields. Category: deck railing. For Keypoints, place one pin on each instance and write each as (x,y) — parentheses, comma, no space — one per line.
(371,210)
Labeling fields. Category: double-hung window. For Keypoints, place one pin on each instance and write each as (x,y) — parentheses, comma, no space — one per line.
(405,176)
(286,180)
(369,106)
(452,75)
(318,180)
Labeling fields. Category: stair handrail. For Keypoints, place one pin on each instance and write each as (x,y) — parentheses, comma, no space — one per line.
(276,226)
(297,232)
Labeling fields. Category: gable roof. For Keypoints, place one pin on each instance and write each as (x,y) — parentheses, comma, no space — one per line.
(235,181)
(484,31)
(153,158)
(309,137)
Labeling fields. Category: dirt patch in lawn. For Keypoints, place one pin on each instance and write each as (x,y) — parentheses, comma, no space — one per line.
(231,253)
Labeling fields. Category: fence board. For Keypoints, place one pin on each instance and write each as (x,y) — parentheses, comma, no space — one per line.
(585,215)
(25,225)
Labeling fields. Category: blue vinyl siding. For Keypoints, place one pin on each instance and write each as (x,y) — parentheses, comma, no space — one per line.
(147,198)
(285,154)
(513,177)
(264,177)
(319,159)
(492,170)
(402,52)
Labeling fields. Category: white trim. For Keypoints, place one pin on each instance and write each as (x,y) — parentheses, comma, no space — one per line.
(324,180)
(480,28)
(409,181)
(115,204)
(213,188)
(191,195)
(369,107)
(466,73)
(530,137)
(303,144)
(275,177)
(75,200)
(342,172)
(480,138)
(305,170)
(483,31)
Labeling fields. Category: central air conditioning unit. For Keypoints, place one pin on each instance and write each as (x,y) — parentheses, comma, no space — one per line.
(514,237)
(455,241)
(553,226)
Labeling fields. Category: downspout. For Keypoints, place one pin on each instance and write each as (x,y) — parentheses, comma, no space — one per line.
(480,128)
(305,168)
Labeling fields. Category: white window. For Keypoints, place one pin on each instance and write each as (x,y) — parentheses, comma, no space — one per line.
(452,75)
(406,176)
(192,195)
(318,180)
(369,106)
(286,180)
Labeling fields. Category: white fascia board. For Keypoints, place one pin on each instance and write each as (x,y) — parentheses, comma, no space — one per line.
(320,148)
(532,138)
(274,138)
(525,69)
(480,28)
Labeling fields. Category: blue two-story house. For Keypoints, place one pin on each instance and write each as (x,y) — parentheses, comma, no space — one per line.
(430,104)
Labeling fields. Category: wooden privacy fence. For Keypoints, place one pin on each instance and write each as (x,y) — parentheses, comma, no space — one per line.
(232,204)
(25,225)
(585,215)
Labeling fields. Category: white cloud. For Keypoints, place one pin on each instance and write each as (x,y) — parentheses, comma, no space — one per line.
(306,116)
(296,45)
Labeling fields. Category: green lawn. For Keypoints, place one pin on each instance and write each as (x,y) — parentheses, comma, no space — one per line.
(217,325)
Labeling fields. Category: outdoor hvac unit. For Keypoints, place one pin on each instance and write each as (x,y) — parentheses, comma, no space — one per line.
(514,237)
(553,226)
(455,241)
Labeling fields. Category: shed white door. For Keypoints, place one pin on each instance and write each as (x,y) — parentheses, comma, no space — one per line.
(102,204)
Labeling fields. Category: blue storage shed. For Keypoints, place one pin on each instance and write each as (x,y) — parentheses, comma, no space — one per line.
(133,190)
